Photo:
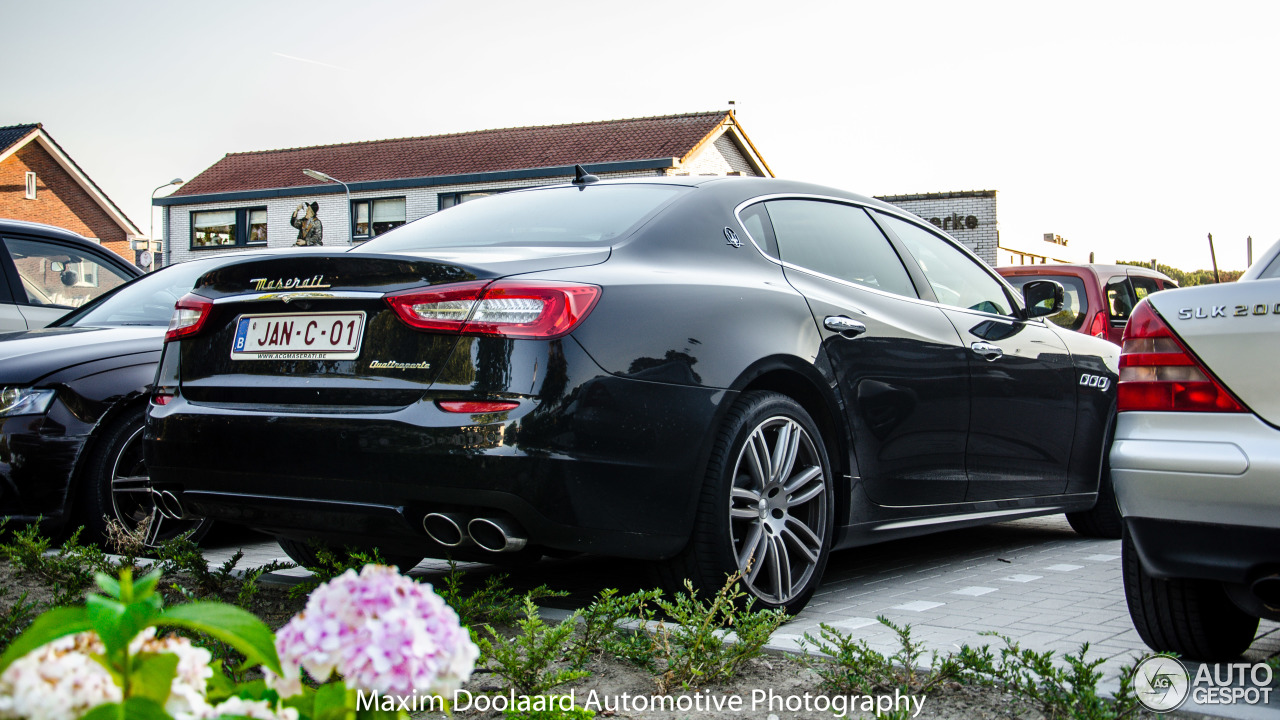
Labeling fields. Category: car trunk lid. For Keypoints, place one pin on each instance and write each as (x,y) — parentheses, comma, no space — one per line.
(1234,328)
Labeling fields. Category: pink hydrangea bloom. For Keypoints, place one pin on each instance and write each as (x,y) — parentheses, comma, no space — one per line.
(381,631)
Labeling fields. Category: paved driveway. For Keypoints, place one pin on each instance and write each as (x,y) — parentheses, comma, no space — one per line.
(1036,581)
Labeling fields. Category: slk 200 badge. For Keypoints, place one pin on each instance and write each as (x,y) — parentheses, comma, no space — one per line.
(1217,311)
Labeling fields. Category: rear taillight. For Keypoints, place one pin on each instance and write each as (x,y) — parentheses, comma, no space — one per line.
(1098,328)
(1157,372)
(508,308)
(189,315)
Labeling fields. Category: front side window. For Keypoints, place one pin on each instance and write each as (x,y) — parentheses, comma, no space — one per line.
(371,218)
(1075,301)
(59,275)
(228,228)
(840,241)
(956,278)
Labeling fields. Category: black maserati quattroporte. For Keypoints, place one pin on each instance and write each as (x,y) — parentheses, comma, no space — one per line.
(716,374)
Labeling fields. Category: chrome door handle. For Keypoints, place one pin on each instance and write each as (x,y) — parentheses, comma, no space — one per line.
(848,327)
(988,351)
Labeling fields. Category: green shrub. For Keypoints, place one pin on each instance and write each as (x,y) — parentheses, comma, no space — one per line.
(525,660)
(854,668)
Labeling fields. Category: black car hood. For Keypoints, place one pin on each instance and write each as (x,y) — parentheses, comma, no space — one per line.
(27,356)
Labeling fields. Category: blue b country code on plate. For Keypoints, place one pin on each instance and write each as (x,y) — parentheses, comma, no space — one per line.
(298,336)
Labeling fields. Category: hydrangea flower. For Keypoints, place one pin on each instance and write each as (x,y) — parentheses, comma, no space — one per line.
(381,631)
(61,681)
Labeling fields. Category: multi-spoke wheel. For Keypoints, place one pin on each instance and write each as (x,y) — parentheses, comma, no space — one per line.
(767,506)
(116,487)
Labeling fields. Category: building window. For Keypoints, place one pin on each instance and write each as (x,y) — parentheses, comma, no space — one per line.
(448,200)
(371,218)
(228,228)
(31,186)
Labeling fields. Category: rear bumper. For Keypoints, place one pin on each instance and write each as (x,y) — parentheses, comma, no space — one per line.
(1200,493)
(612,467)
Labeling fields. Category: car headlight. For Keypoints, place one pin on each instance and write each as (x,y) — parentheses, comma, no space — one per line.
(24,401)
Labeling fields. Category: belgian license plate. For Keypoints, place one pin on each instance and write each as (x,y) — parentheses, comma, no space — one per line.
(312,336)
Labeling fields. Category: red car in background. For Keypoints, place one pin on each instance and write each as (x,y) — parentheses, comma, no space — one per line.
(1098,298)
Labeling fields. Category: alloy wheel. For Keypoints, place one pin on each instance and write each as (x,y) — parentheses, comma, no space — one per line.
(133,499)
(778,510)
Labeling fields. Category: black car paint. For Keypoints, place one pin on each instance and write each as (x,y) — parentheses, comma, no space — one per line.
(604,452)
(97,373)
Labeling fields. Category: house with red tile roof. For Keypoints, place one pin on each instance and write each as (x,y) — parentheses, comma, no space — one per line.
(39,182)
(267,199)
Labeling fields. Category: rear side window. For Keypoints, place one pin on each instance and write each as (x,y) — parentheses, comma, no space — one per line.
(840,241)
(1075,302)
(1120,299)
(598,215)
(1143,286)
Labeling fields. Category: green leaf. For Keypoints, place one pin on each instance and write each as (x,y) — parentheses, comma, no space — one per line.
(147,585)
(106,711)
(117,624)
(304,703)
(152,675)
(132,709)
(56,623)
(219,687)
(110,586)
(140,708)
(238,628)
(333,701)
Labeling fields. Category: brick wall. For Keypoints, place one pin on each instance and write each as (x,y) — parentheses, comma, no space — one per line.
(969,217)
(60,200)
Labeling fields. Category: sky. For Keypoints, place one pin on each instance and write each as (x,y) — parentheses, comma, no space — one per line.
(1132,129)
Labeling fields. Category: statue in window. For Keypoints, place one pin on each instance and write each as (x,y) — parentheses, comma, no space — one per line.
(310,230)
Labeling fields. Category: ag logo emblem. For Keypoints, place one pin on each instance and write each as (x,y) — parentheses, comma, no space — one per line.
(731,238)
(1161,683)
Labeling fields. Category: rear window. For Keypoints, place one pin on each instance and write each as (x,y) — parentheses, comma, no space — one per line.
(566,216)
(1075,303)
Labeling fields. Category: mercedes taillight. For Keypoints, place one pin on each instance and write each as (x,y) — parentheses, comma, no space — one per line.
(1157,372)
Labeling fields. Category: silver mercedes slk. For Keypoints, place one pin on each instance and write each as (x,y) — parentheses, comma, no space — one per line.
(1196,463)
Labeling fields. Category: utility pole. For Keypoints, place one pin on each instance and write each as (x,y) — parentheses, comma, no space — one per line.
(1216,277)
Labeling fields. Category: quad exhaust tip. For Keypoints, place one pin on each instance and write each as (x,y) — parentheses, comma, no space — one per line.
(448,529)
(1267,589)
(169,505)
(496,535)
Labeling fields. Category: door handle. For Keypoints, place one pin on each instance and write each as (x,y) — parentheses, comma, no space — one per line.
(847,327)
(988,351)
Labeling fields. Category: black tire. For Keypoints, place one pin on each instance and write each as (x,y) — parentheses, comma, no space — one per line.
(1193,618)
(114,486)
(748,521)
(306,553)
(1103,520)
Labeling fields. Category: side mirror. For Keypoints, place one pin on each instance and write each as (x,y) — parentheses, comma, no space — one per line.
(1042,297)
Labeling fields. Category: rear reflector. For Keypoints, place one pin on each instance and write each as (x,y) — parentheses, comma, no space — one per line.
(476,406)
(506,308)
(189,315)
(1157,373)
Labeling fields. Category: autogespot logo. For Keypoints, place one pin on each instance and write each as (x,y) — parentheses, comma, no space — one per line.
(1161,683)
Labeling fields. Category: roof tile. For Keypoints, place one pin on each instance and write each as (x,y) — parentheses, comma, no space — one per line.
(461,153)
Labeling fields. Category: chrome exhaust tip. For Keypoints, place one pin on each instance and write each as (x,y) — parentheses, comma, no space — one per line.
(446,528)
(169,505)
(496,535)
(1267,589)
